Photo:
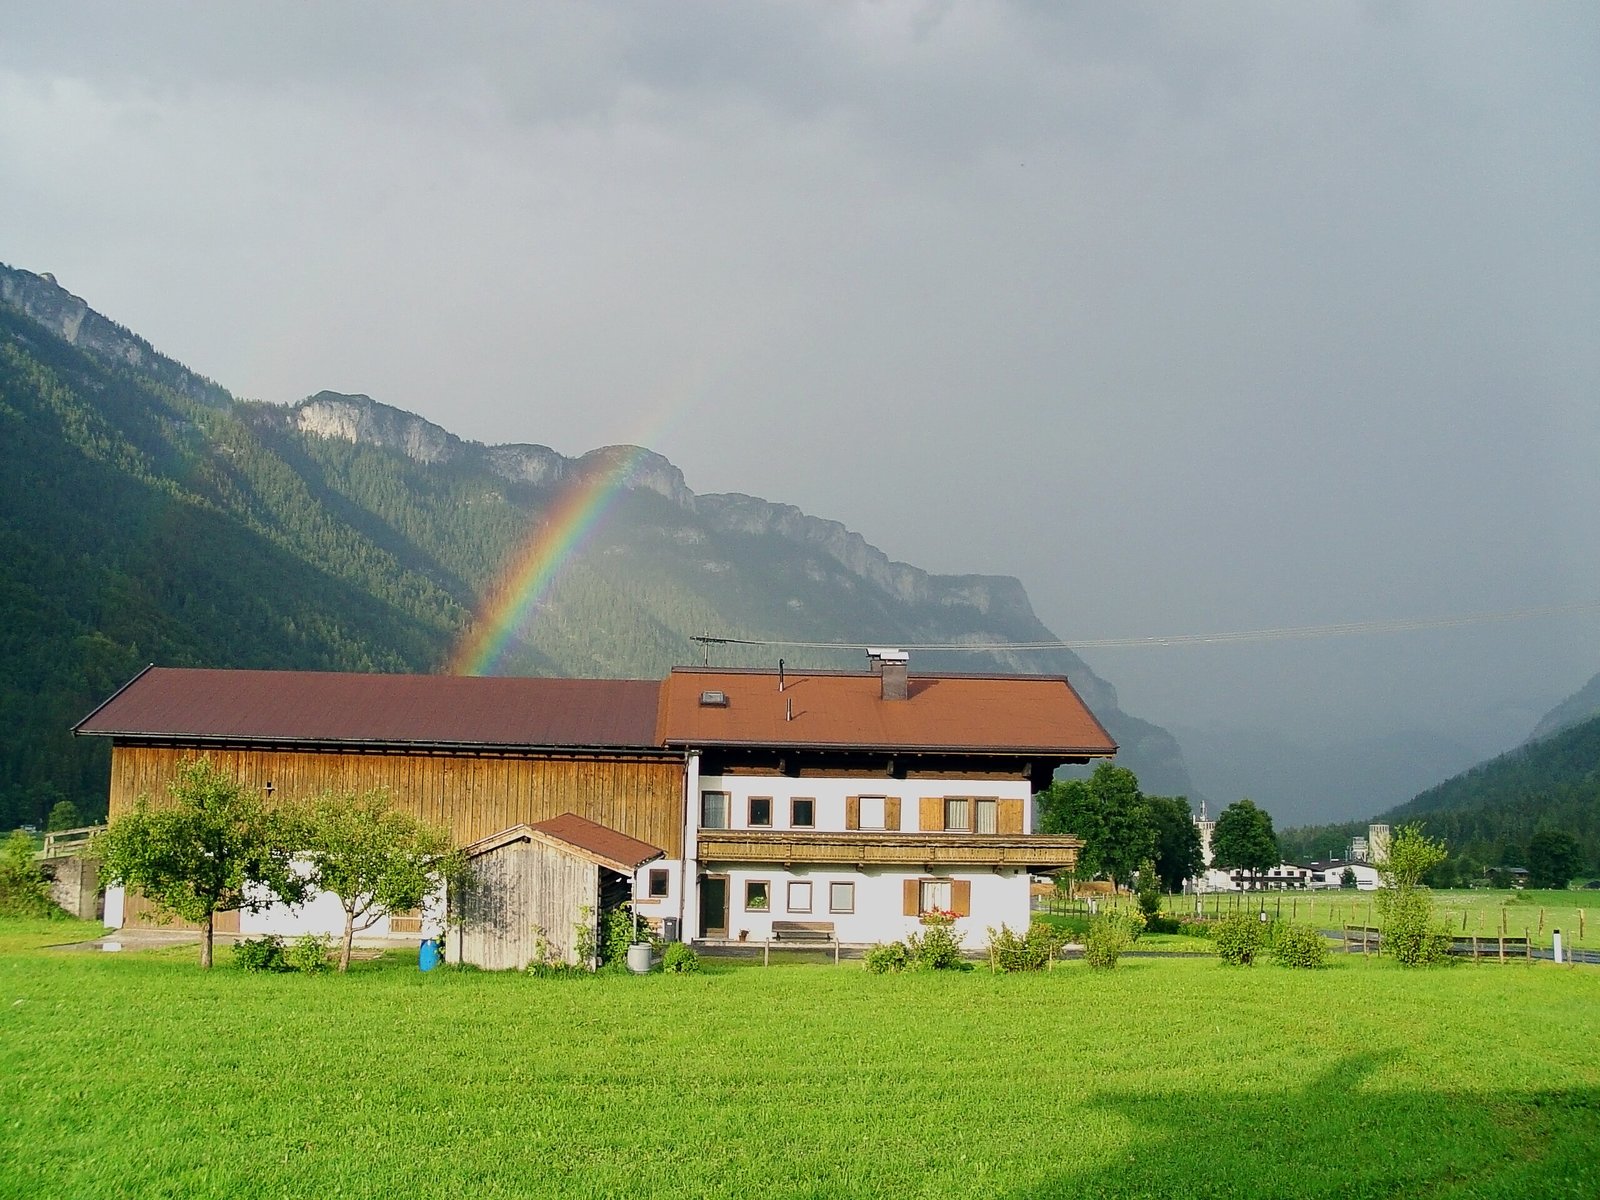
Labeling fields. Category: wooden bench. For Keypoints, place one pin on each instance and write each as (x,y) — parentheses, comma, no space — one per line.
(802,933)
(1363,938)
(1502,948)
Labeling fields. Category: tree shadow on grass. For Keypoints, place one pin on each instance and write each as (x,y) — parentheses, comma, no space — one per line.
(1344,1135)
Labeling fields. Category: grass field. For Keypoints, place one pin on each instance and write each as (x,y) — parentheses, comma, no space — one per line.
(1470,911)
(138,1075)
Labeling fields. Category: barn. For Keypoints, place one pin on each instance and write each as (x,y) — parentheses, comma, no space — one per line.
(730,805)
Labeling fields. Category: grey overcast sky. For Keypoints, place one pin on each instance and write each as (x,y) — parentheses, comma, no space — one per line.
(1196,317)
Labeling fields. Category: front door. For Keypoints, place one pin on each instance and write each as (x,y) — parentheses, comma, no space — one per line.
(714,906)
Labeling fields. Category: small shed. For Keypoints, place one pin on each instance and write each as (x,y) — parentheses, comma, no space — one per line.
(530,888)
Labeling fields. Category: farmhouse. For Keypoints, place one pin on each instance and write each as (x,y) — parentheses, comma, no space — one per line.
(744,799)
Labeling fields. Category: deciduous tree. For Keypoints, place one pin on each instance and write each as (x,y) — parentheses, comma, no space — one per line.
(1108,812)
(1554,857)
(213,848)
(1178,854)
(1243,839)
(1405,906)
(374,858)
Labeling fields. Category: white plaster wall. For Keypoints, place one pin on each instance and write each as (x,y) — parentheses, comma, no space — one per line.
(663,906)
(830,794)
(879,900)
(113,909)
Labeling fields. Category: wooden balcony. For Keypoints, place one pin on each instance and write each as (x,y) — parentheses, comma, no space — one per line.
(1029,852)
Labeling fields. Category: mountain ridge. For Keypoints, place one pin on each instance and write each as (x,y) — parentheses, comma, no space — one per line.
(393,530)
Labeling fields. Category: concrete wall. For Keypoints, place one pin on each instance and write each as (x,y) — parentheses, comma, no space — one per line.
(75,884)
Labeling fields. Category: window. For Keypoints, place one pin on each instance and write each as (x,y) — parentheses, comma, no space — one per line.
(956,814)
(760,810)
(935,893)
(872,812)
(713,810)
(803,813)
(799,895)
(658,883)
(842,897)
(757,895)
(985,816)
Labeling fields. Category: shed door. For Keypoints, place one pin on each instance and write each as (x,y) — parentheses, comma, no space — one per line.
(714,906)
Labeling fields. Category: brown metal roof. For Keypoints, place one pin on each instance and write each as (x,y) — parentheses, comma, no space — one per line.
(599,843)
(576,835)
(420,710)
(985,714)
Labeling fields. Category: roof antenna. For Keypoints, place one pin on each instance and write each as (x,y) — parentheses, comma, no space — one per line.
(780,674)
(788,710)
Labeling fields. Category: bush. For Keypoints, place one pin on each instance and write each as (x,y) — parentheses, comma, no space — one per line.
(1149,893)
(1162,925)
(1239,937)
(887,957)
(309,954)
(24,890)
(680,959)
(616,934)
(1300,946)
(1410,934)
(261,954)
(938,946)
(1109,935)
(1031,951)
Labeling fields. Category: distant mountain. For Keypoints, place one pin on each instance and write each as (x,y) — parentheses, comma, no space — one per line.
(1580,706)
(146,515)
(1301,783)
(1488,813)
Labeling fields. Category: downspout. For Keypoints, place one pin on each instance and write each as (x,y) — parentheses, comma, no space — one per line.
(691,841)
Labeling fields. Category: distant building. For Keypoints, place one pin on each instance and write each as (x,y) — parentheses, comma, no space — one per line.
(1373,848)
(1330,874)
(1207,827)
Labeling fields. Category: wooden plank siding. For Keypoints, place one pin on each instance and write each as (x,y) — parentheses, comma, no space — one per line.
(471,795)
(523,903)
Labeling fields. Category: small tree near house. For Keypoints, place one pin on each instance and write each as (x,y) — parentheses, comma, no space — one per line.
(376,860)
(213,848)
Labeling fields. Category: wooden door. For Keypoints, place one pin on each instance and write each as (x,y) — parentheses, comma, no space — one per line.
(714,906)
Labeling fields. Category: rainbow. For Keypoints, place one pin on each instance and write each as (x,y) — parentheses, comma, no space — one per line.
(565,528)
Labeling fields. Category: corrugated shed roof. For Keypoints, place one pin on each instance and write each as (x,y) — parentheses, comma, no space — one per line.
(986,714)
(418,710)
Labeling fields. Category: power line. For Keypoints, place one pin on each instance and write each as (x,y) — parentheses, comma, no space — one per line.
(1287,633)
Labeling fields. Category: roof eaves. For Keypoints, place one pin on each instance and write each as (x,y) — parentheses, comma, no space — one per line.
(219,739)
(148,667)
(1110,748)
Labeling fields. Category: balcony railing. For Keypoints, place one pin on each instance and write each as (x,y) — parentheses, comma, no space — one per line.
(1033,852)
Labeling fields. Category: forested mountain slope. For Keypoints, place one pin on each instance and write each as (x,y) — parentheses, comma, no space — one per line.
(146,516)
(1488,814)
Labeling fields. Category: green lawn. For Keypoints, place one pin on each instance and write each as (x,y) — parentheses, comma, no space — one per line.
(1575,913)
(138,1075)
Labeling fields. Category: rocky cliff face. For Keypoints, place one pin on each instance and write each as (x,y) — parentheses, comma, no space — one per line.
(360,419)
(71,319)
(975,609)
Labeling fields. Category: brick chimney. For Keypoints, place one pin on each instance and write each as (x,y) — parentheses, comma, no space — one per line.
(890,666)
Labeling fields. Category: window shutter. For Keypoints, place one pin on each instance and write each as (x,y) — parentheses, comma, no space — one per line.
(1008,816)
(911,892)
(852,812)
(961,897)
(932,813)
(891,812)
